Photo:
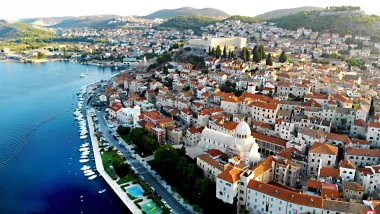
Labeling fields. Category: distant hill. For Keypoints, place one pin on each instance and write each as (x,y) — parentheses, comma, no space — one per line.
(336,20)
(245,19)
(189,22)
(22,31)
(45,21)
(186,11)
(284,12)
(96,21)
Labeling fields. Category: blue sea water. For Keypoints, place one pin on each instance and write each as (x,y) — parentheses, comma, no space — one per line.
(39,140)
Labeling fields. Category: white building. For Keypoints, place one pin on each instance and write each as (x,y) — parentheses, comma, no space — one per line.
(373,134)
(321,155)
(347,170)
(264,112)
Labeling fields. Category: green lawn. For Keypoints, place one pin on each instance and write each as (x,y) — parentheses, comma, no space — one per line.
(108,158)
(130,177)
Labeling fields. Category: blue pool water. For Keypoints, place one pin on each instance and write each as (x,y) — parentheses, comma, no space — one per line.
(39,140)
(135,191)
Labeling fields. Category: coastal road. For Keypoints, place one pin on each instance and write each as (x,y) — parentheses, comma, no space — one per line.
(140,168)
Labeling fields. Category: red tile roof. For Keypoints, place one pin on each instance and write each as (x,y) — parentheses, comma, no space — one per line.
(269,139)
(322,148)
(286,195)
(231,175)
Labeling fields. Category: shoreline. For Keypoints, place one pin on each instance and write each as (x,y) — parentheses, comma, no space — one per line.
(99,166)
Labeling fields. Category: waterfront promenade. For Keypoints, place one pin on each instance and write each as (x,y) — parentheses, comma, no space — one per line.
(99,166)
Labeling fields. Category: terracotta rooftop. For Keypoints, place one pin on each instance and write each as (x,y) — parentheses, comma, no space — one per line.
(208,159)
(324,149)
(313,184)
(286,195)
(362,152)
(352,186)
(270,106)
(329,172)
(365,171)
(215,153)
(269,139)
(374,125)
(360,123)
(262,167)
(347,164)
(231,175)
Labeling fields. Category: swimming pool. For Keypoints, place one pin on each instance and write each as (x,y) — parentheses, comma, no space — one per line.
(135,191)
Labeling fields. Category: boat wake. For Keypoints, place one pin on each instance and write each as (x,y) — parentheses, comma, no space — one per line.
(20,140)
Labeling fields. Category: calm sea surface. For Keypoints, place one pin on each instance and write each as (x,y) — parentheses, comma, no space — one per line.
(39,140)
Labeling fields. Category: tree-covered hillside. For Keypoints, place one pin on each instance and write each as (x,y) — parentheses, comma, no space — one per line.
(284,12)
(186,11)
(189,22)
(245,19)
(340,23)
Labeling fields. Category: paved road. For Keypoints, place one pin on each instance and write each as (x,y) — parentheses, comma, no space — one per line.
(172,202)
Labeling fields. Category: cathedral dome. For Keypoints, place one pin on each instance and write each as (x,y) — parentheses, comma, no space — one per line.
(243,130)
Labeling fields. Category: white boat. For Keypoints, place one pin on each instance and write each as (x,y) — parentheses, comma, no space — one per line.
(101,191)
(87,171)
(83,160)
(83,132)
(89,174)
(82,75)
(80,119)
(84,146)
(92,177)
(84,157)
(85,167)
(85,153)
(84,149)
(83,137)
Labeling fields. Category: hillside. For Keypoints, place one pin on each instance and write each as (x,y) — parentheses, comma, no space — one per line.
(284,12)
(45,21)
(245,19)
(185,11)
(23,31)
(85,21)
(189,22)
(332,21)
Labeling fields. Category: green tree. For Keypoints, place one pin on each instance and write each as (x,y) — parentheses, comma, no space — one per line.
(209,51)
(167,157)
(245,54)
(229,54)
(41,55)
(283,58)
(232,54)
(256,55)
(218,52)
(269,60)
(262,52)
(225,52)
(213,53)
(123,130)
(150,144)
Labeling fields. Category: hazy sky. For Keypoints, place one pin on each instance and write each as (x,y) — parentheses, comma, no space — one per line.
(16,9)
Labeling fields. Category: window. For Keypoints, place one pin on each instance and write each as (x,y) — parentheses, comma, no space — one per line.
(228,196)
(290,205)
(248,204)
(301,208)
(220,193)
(271,199)
(279,209)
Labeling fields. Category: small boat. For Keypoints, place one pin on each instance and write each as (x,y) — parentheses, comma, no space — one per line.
(92,177)
(89,174)
(82,75)
(85,154)
(85,167)
(87,171)
(84,160)
(84,149)
(101,191)
(83,137)
(84,146)
(84,157)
